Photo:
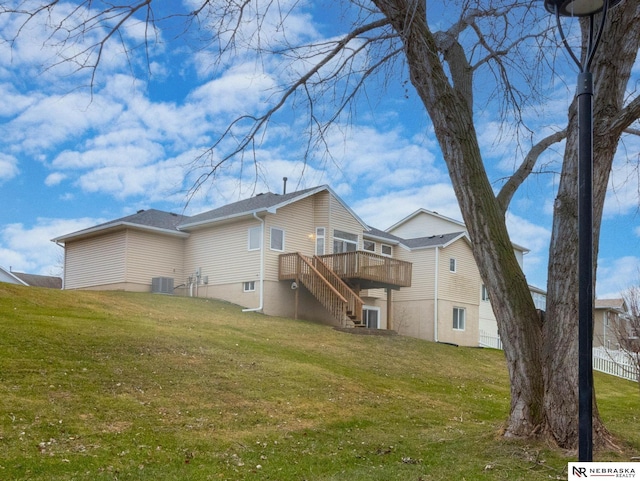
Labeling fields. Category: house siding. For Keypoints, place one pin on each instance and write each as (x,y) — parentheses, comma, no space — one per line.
(424,224)
(299,233)
(97,262)
(222,254)
(127,259)
(150,255)
(464,284)
(342,219)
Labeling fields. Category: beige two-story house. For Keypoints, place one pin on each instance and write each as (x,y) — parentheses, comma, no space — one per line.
(303,254)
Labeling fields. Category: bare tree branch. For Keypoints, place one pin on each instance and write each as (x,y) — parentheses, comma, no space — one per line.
(209,157)
(515,181)
(626,117)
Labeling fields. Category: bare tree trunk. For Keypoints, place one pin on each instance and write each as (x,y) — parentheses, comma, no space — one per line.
(451,113)
(611,76)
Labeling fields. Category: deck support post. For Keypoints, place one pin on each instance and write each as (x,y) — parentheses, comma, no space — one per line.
(389,308)
(297,299)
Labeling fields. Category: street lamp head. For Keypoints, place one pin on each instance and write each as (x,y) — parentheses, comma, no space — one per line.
(578,8)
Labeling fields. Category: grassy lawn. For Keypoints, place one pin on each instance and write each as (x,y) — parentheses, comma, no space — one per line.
(112,385)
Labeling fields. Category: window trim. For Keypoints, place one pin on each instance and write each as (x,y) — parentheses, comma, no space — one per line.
(259,238)
(464,318)
(271,239)
(485,293)
(345,241)
(382,246)
(453,264)
(378,314)
(322,236)
(372,244)
(249,286)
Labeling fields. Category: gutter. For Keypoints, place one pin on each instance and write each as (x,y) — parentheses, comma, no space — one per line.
(64,261)
(435,296)
(262,246)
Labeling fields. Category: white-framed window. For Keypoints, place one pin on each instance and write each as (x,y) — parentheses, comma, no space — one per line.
(368,245)
(320,241)
(452,264)
(371,317)
(458,318)
(277,239)
(485,293)
(344,242)
(249,286)
(254,238)
(386,250)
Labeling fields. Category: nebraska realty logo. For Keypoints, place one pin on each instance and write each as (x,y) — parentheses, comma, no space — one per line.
(582,471)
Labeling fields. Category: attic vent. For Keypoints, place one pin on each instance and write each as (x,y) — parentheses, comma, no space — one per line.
(140,211)
(162,285)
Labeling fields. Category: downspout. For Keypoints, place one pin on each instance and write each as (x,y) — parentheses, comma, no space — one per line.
(259,308)
(64,263)
(435,296)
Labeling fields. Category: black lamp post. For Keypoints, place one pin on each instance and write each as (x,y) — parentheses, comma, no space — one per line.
(584,8)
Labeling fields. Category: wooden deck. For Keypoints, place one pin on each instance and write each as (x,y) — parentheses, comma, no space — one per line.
(360,268)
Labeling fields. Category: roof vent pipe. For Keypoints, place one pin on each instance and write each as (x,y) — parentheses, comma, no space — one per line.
(284,188)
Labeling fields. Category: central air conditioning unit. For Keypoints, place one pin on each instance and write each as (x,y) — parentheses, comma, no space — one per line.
(162,285)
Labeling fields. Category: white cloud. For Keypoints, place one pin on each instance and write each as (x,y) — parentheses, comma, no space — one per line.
(616,275)
(535,238)
(385,210)
(623,194)
(29,249)
(50,121)
(8,167)
(54,179)
(238,91)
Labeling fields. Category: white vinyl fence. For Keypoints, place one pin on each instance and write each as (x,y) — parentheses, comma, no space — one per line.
(617,363)
(487,340)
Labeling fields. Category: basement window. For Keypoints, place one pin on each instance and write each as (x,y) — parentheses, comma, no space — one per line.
(249,286)
(458,318)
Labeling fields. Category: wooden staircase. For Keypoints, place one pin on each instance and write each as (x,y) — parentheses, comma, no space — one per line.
(325,285)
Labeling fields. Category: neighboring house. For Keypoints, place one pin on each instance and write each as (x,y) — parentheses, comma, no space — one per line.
(610,323)
(32,280)
(303,254)
(454,291)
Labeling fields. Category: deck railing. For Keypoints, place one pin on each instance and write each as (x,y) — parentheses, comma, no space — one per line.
(369,266)
(354,303)
(325,286)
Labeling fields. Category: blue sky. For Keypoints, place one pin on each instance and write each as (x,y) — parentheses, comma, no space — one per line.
(71,157)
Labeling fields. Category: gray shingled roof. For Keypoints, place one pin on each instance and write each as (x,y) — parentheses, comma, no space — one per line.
(258,203)
(431,241)
(373,232)
(615,304)
(151,218)
(35,280)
